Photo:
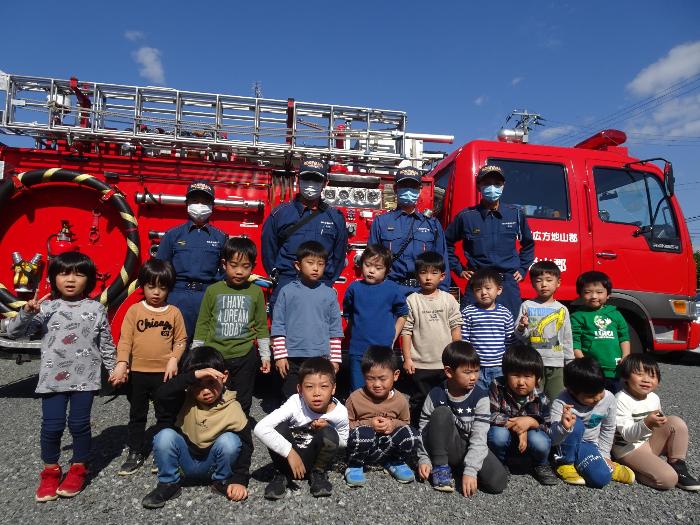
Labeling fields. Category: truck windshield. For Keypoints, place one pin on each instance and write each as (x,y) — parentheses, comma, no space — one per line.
(637,198)
(539,188)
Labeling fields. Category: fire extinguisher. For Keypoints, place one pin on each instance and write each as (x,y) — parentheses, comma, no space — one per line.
(61,242)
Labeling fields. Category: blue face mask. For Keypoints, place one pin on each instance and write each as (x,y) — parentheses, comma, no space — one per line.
(491,193)
(407,196)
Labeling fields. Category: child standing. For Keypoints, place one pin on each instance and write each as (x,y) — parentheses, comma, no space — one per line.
(379,421)
(304,435)
(454,424)
(582,427)
(644,433)
(232,318)
(520,412)
(487,325)
(75,341)
(598,329)
(375,308)
(306,321)
(433,321)
(205,437)
(544,323)
(152,340)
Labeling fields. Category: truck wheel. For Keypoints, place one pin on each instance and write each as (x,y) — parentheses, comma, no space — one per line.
(637,344)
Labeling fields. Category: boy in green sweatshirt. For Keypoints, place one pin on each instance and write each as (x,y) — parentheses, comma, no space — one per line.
(598,329)
(232,318)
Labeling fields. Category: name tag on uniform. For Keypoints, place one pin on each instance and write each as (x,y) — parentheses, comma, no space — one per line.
(181,243)
(476,230)
(390,228)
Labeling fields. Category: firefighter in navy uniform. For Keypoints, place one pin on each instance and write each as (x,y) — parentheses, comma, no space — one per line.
(407,233)
(306,218)
(489,233)
(194,250)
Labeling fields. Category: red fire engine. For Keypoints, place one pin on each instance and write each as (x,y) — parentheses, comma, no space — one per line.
(110,165)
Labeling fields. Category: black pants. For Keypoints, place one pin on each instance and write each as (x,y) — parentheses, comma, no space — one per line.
(419,384)
(142,389)
(289,385)
(446,446)
(317,454)
(241,377)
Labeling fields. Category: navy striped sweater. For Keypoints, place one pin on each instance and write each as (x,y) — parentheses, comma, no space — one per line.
(489,332)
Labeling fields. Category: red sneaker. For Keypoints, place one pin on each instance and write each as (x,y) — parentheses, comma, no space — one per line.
(74,482)
(50,477)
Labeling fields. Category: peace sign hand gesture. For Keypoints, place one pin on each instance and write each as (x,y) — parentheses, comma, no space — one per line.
(34,305)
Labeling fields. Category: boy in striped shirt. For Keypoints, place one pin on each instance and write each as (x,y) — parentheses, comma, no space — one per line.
(487,325)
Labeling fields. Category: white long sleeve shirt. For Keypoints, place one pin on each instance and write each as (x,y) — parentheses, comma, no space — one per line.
(296,413)
(631,432)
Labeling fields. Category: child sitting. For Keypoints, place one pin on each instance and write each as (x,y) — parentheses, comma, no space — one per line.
(544,323)
(487,325)
(232,318)
(379,421)
(306,321)
(582,427)
(433,321)
(598,329)
(644,433)
(206,435)
(75,341)
(454,424)
(375,308)
(152,341)
(304,435)
(520,412)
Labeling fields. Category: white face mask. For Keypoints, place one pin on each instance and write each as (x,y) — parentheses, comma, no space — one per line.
(310,189)
(199,212)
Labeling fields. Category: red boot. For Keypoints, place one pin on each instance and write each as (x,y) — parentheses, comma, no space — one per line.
(50,478)
(74,482)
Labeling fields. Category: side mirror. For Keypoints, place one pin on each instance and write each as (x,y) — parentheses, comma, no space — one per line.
(669,178)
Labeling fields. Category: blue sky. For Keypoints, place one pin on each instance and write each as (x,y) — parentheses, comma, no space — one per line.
(455,67)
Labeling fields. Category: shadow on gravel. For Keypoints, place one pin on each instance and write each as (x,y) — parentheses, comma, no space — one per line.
(107,446)
(679,358)
(24,388)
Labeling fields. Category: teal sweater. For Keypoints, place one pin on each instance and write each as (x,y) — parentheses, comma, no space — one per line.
(598,334)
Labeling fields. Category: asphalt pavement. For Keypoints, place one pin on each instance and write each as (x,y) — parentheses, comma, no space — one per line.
(110,498)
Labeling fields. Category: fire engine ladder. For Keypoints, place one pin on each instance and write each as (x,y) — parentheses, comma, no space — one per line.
(163,119)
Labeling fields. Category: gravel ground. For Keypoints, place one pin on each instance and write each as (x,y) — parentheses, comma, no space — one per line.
(115,499)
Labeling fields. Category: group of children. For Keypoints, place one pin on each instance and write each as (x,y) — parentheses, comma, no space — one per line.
(555,393)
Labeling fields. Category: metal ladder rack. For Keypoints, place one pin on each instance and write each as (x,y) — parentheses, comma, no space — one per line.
(269,130)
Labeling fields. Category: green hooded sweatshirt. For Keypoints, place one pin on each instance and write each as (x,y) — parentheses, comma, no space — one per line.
(598,334)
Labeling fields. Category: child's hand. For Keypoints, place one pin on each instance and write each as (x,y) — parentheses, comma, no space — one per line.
(408,366)
(521,424)
(468,486)
(318,424)
(296,465)
(236,492)
(524,323)
(424,471)
(466,274)
(265,367)
(34,305)
(655,419)
(522,442)
(119,374)
(170,369)
(212,373)
(336,366)
(568,418)
(381,425)
(282,366)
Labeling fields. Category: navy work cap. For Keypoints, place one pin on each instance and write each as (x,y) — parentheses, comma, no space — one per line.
(408,173)
(201,187)
(313,167)
(490,170)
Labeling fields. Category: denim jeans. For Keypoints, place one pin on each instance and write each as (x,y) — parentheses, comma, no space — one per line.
(53,423)
(504,444)
(357,379)
(173,456)
(488,374)
(585,456)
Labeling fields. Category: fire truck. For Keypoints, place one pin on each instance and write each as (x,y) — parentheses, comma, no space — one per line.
(108,165)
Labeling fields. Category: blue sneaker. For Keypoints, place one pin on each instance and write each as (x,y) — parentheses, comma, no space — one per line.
(355,476)
(441,477)
(400,472)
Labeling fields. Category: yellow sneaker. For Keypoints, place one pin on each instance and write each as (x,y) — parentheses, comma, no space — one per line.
(622,474)
(569,475)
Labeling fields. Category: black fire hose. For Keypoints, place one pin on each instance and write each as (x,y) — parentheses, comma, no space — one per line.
(13,185)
